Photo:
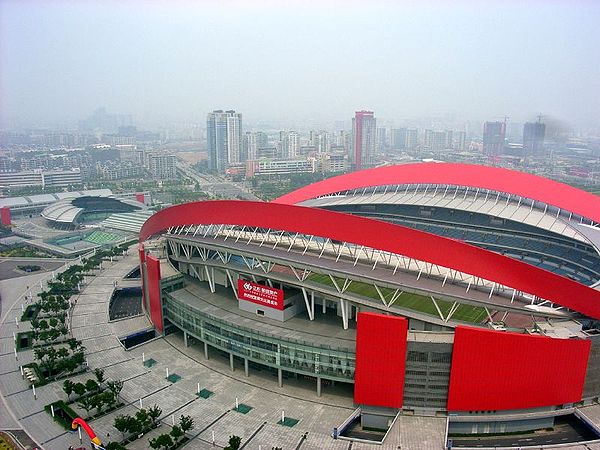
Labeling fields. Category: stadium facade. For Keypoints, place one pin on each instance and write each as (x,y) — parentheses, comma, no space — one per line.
(444,289)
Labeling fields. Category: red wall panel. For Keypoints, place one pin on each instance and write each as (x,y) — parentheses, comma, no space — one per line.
(5,218)
(142,256)
(455,174)
(380,360)
(385,236)
(495,370)
(153,277)
(139,196)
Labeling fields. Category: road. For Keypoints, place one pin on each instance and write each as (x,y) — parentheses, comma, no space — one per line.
(217,186)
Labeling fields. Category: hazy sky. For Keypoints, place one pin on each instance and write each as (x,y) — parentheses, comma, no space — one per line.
(177,60)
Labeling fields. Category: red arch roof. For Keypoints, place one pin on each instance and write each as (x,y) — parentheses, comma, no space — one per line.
(493,178)
(385,236)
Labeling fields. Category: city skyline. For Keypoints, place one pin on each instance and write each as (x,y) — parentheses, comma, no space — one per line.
(414,60)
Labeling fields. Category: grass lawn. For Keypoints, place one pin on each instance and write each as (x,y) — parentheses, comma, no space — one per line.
(414,302)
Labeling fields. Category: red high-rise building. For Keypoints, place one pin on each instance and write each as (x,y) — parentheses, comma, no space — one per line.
(364,133)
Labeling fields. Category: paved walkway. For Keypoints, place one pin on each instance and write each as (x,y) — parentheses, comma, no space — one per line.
(212,417)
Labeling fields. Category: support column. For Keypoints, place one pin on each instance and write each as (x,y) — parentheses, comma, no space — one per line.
(324,306)
(206,351)
(246,367)
(318,386)
(344,308)
(280,377)
(185,339)
(231,362)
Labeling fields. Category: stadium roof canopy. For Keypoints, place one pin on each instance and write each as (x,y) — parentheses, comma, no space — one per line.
(43,199)
(385,236)
(70,211)
(496,179)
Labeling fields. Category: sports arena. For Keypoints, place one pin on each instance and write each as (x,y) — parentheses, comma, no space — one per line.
(428,289)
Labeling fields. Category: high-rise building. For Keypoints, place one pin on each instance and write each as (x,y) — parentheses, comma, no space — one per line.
(382,140)
(224,139)
(320,141)
(253,142)
(364,134)
(494,135)
(162,166)
(412,138)
(398,138)
(460,141)
(533,137)
(289,144)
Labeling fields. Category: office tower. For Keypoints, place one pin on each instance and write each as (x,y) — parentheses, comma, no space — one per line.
(494,134)
(461,141)
(533,137)
(320,141)
(382,140)
(224,139)
(364,127)
(289,144)
(250,146)
(398,138)
(412,138)
(162,166)
(448,144)
(253,142)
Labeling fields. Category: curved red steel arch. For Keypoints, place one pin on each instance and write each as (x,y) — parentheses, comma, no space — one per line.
(385,236)
(513,182)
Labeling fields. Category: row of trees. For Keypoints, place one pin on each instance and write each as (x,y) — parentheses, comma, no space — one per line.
(142,421)
(57,361)
(94,394)
(173,438)
(50,329)
(53,329)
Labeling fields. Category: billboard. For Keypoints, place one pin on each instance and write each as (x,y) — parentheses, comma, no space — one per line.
(260,294)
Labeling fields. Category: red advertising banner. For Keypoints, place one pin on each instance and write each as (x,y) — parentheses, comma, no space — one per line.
(260,294)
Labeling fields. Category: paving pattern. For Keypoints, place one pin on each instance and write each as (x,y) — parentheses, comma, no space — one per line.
(214,416)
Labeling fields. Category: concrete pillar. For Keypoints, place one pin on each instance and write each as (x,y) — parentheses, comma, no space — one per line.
(324,306)
(185,339)
(318,386)
(206,350)
(280,377)
(246,367)
(231,362)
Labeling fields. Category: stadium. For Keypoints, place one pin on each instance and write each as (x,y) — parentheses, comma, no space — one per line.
(424,289)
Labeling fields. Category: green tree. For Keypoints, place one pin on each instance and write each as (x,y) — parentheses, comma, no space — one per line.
(134,426)
(99,373)
(154,413)
(79,389)
(176,433)
(115,387)
(97,402)
(186,423)
(143,417)
(91,385)
(86,403)
(122,424)
(68,388)
(234,443)
(164,440)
